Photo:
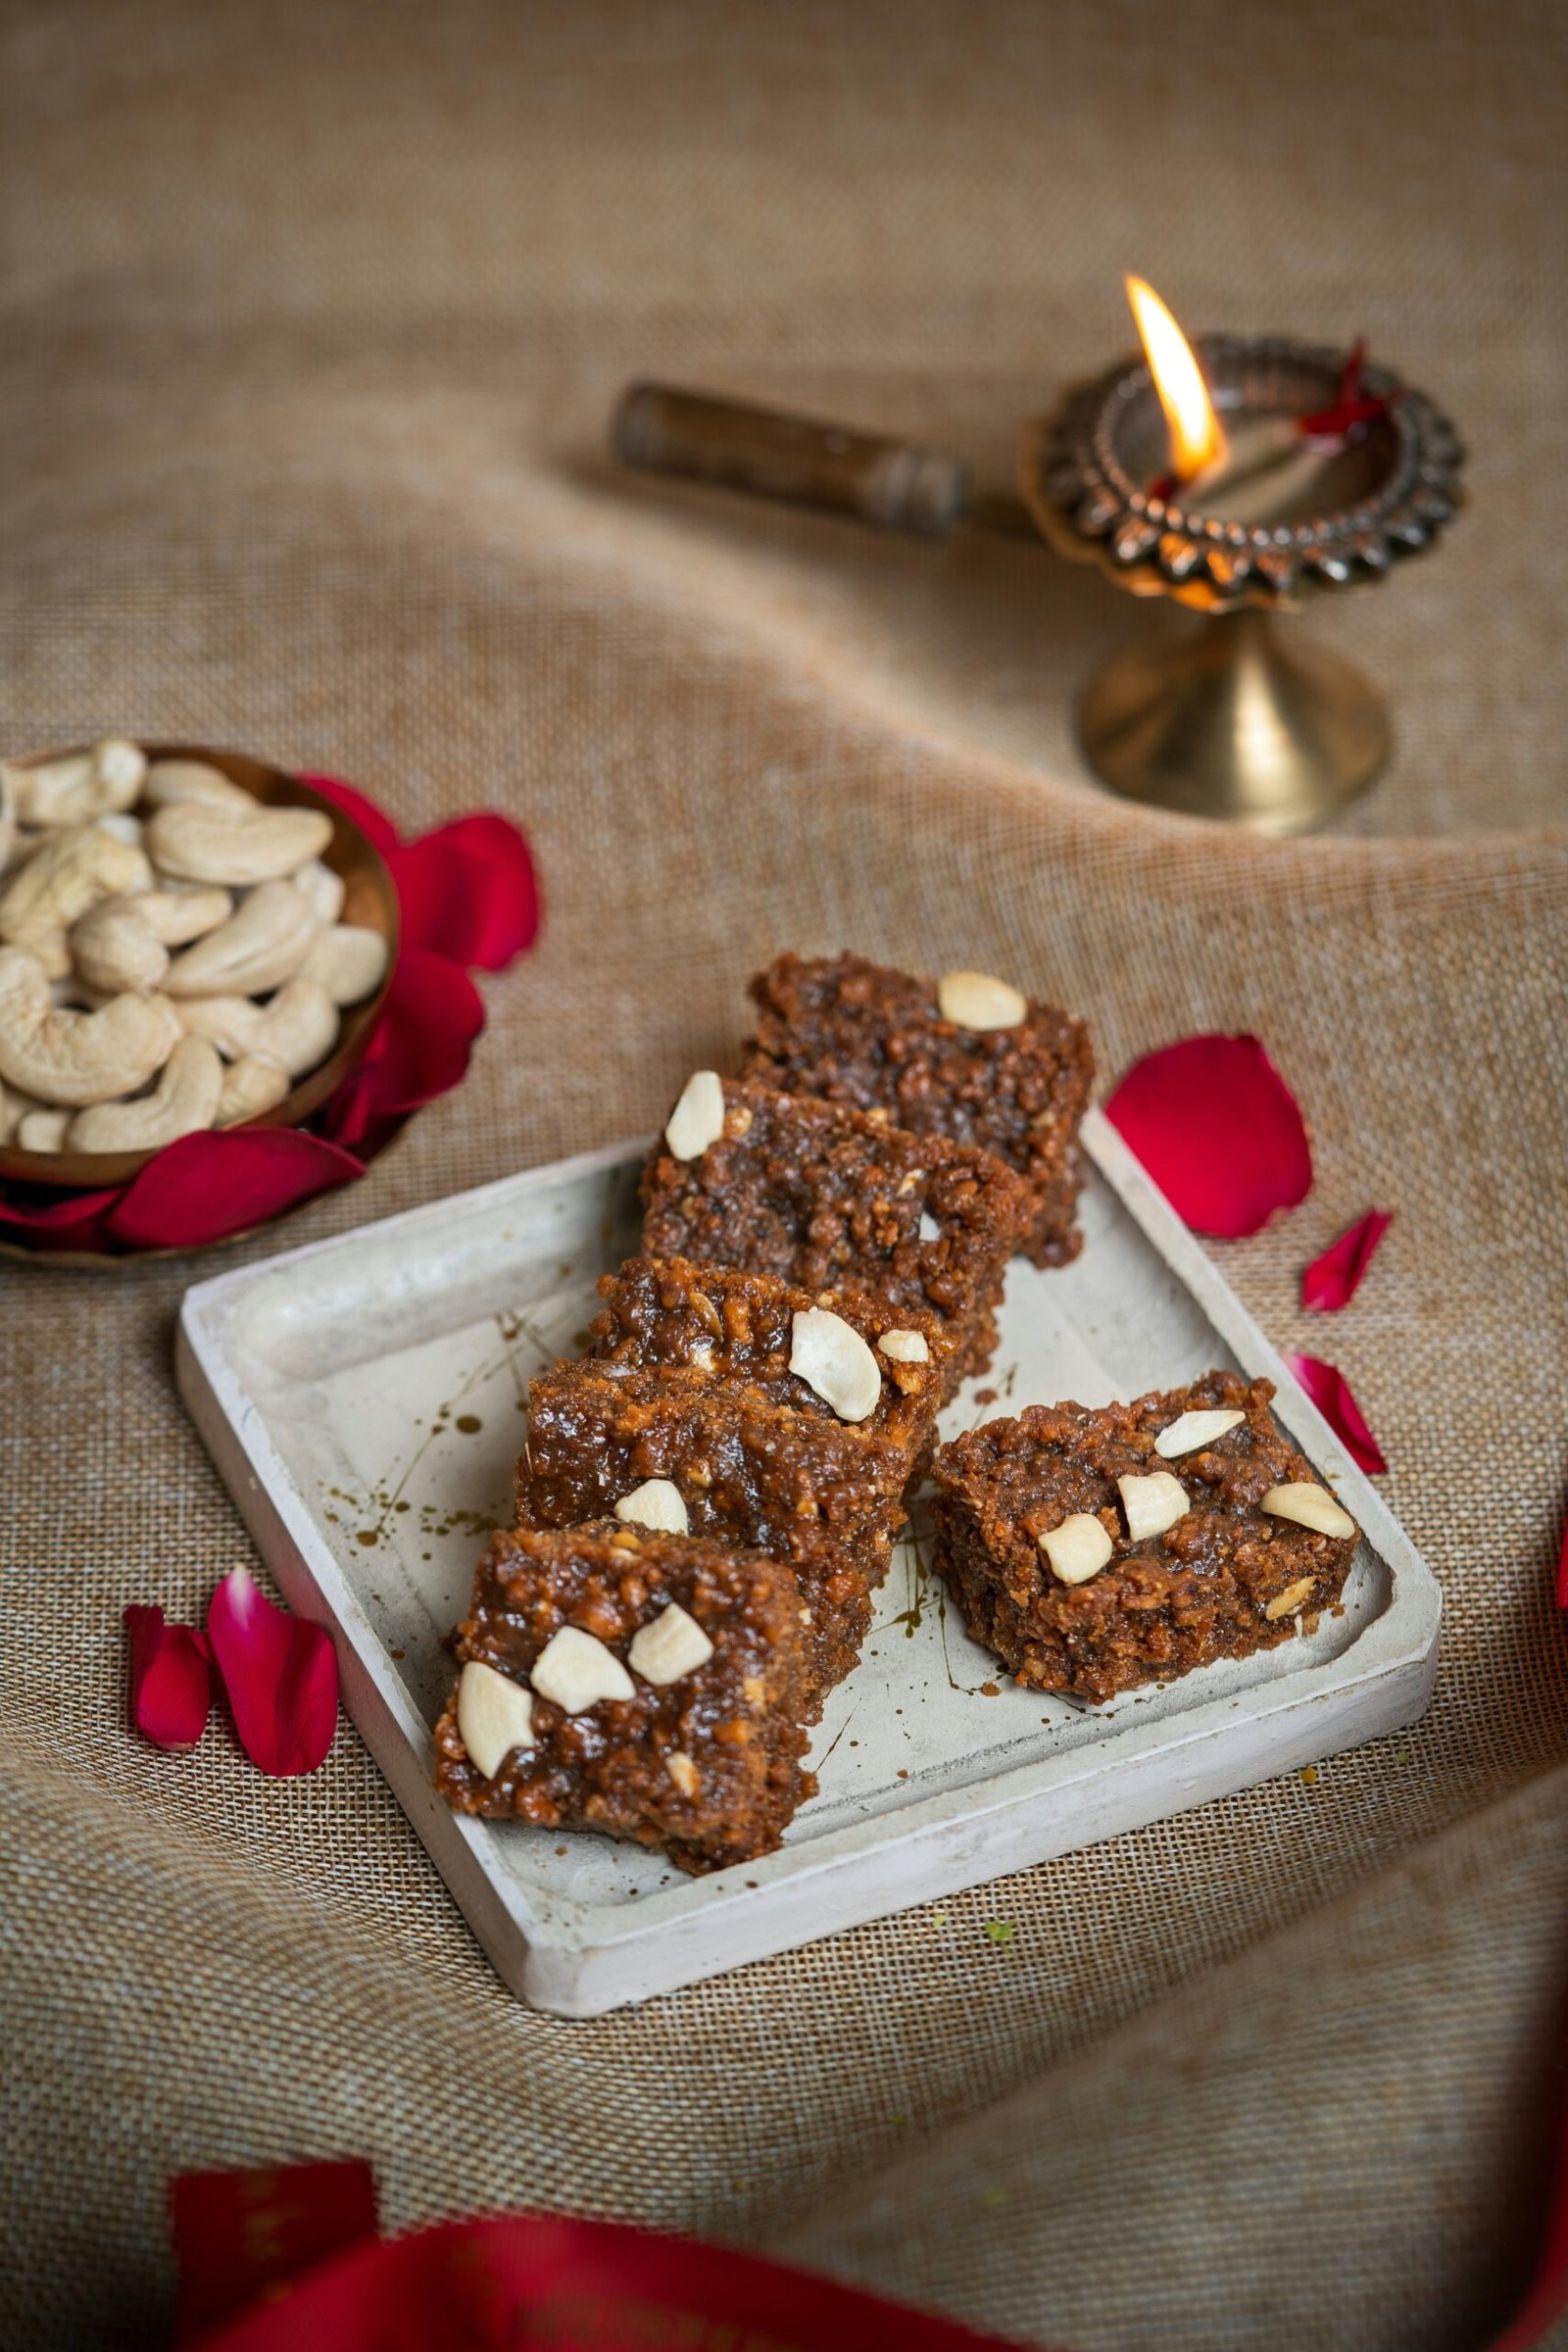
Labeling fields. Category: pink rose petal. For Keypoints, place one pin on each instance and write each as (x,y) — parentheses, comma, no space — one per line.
(280,1674)
(468,891)
(420,1048)
(207,1187)
(171,1677)
(1330,1392)
(373,821)
(1219,1129)
(1332,1281)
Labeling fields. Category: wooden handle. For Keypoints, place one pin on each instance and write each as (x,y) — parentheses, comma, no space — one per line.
(891,483)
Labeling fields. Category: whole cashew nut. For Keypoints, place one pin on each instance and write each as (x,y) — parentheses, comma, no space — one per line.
(177,917)
(172,781)
(69,874)
(60,1056)
(196,843)
(258,947)
(228,1022)
(298,1028)
(253,1086)
(82,786)
(112,947)
(184,1101)
(349,962)
(321,889)
(43,1130)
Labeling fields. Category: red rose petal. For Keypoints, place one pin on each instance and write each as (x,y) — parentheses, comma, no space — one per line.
(67,1221)
(420,1049)
(280,1674)
(1330,1392)
(468,891)
(373,821)
(171,1679)
(207,1187)
(239,2237)
(1219,1129)
(1332,1281)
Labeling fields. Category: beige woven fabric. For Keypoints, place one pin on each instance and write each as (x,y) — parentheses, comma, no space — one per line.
(311,317)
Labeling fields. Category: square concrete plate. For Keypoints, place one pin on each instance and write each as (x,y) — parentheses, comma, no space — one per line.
(365,1401)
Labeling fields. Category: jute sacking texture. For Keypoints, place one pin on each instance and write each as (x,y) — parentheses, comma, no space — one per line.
(312,319)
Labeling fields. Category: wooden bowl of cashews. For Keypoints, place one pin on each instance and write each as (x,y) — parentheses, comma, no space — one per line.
(189,939)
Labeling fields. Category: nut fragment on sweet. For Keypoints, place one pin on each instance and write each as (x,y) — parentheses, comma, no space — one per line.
(576,1671)
(831,1357)
(672,1646)
(495,1715)
(659,1504)
(1309,1505)
(904,1346)
(1189,1430)
(682,1771)
(976,1001)
(1153,1503)
(1078,1549)
(1285,1604)
(698,1118)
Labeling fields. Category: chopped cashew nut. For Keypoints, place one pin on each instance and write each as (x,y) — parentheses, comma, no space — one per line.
(494,1716)
(904,1346)
(1153,1503)
(672,1646)
(1189,1430)
(930,1229)
(1310,1506)
(258,947)
(253,1086)
(576,1671)
(682,1771)
(113,949)
(349,962)
(195,842)
(60,1057)
(59,883)
(698,1118)
(657,1503)
(974,1000)
(183,1103)
(1285,1604)
(831,1357)
(1078,1549)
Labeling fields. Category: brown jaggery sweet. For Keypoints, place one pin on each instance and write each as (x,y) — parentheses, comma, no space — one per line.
(1224,1580)
(720,1324)
(822,1494)
(871,1038)
(829,1199)
(706,1765)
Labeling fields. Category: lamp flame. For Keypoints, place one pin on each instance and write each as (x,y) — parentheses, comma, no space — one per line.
(1197,441)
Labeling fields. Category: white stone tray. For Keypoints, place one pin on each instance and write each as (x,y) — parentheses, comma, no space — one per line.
(365,1399)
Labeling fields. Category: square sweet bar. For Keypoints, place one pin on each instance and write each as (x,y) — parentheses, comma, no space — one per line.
(836,1200)
(828,1352)
(964,1056)
(1093,1550)
(647,1685)
(669,1448)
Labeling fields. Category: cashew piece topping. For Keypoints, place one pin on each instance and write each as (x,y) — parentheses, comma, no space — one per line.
(59,1056)
(350,961)
(82,786)
(184,1101)
(253,1084)
(196,843)
(113,949)
(258,947)
(69,874)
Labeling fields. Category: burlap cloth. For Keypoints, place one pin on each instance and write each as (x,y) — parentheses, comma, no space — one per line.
(311,317)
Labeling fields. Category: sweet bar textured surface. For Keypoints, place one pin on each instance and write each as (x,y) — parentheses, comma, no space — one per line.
(1220,1579)
(861,1034)
(816,1491)
(355,499)
(835,1200)
(721,1325)
(706,1765)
